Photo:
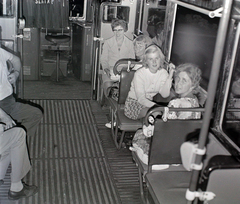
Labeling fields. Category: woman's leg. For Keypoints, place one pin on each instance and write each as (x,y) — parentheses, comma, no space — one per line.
(13,149)
(19,156)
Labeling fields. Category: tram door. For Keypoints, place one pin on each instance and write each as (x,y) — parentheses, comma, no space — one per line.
(127,10)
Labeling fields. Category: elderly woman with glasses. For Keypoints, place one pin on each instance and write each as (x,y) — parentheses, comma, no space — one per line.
(115,48)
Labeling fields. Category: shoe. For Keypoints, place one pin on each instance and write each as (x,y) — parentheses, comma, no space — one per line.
(27,191)
(1,182)
(109,125)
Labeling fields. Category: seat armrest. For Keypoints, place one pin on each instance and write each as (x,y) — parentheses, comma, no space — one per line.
(220,162)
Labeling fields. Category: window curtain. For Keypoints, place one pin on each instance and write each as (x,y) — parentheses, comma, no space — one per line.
(52,14)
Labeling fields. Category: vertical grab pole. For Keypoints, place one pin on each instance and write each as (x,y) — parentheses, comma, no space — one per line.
(20,16)
(217,59)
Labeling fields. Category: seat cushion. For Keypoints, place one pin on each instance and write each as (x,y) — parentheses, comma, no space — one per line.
(168,186)
(57,39)
(124,123)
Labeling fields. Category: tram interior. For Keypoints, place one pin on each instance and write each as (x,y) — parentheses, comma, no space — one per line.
(75,158)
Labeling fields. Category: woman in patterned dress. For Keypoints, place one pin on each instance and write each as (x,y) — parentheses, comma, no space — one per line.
(187,78)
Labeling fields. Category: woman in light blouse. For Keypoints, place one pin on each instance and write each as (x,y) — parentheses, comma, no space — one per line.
(148,81)
(115,48)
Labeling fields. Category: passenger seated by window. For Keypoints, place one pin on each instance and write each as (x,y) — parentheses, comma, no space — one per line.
(117,47)
(159,37)
(187,78)
(148,81)
(13,149)
(140,43)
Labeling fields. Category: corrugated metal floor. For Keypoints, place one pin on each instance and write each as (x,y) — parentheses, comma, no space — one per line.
(74,159)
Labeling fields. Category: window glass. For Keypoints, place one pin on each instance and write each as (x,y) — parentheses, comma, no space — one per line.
(194,40)
(156,17)
(111,12)
(159,2)
(231,122)
(76,8)
(6,8)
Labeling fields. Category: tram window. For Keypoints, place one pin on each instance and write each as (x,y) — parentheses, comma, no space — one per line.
(6,8)
(76,8)
(156,16)
(231,122)
(111,12)
(194,40)
(159,2)
(116,1)
(162,2)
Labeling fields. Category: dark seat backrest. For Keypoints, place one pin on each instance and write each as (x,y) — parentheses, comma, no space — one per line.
(125,84)
(168,138)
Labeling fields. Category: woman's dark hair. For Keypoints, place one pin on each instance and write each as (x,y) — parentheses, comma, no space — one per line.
(119,22)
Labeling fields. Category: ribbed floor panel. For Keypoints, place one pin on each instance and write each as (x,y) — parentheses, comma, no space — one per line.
(122,167)
(74,160)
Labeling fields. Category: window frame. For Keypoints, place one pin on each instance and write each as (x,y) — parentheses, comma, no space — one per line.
(219,122)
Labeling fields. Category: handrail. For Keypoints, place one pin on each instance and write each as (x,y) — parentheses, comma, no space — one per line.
(159,110)
(211,14)
(124,62)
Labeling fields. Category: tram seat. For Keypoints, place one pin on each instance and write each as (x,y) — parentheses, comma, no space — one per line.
(117,107)
(164,152)
(219,174)
(57,40)
(220,177)
(106,80)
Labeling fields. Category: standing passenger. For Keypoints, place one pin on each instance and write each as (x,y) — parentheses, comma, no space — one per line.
(29,116)
(148,81)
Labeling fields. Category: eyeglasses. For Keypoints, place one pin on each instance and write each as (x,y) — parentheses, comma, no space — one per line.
(119,30)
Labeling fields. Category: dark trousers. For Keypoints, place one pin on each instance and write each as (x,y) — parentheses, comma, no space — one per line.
(27,115)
